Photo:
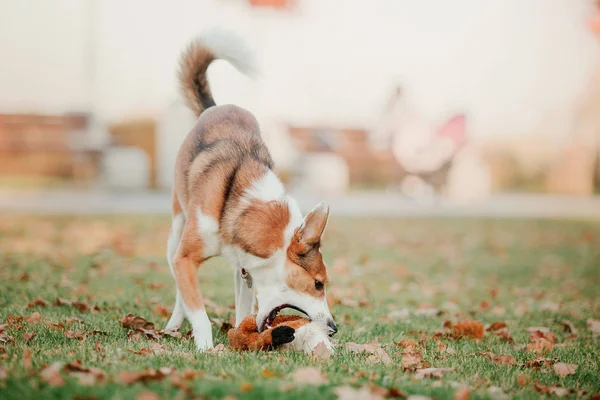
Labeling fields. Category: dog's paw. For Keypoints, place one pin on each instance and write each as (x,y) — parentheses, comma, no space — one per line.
(282,335)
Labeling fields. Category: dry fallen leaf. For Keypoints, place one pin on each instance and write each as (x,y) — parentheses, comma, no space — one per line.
(411,361)
(27,336)
(540,346)
(362,393)
(246,387)
(85,376)
(148,375)
(37,302)
(131,322)
(308,376)
(34,318)
(593,325)
(51,375)
(321,351)
(408,345)
(75,335)
(462,393)
(27,364)
(499,359)
(218,349)
(147,395)
(569,327)
(541,333)
(555,390)
(471,329)
(149,333)
(563,369)
(432,372)
(377,353)
(494,326)
(522,380)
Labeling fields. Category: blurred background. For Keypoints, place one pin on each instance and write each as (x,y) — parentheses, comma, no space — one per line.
(382,107)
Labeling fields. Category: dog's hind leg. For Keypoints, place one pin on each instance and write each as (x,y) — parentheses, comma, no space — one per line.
(174,238)
(190,254)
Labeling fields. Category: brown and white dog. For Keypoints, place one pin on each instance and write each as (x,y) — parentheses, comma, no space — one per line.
(228,202)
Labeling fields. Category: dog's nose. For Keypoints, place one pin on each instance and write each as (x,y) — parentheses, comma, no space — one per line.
(333,327)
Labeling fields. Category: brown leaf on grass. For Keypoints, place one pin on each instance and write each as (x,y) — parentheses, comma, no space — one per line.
(569,327)
(14,321)
(72,320)
(432,372)
(79,305)
(86,376)
(27,336)
(3,327)
(377,353)
(172,333)
(3,374)
(463,393)
(494,326)
(562,369)
(267,373)
(504,335)
(362,393)
(37,302)
(2,350)
(128,378)
(522,380)
(148,395)
(309,376)
(55,325)
(535,333)
(98,348)
(149,333)
(593,325)
(34,318)
(540,346)
(162,311)
(499,359)
(75,335)
(131,322)
(321,351)
(555,390)
(408,345)
(5,339)
(411,361)
(471,329)
(218,350)
(27,364)
(538,363)
(51,375)
(141,352)
(246,387)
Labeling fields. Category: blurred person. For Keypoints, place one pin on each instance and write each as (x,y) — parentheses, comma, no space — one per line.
(440,161)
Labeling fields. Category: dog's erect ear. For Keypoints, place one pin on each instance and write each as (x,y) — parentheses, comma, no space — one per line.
(309,233)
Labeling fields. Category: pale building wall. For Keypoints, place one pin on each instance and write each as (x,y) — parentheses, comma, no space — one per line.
(516,67)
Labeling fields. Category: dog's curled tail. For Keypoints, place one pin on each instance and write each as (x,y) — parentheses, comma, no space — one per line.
(198,56)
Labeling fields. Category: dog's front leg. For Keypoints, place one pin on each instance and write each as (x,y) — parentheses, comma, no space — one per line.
(244,297)
(189,256)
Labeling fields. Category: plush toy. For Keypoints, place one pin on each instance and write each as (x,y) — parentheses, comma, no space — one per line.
(286,331)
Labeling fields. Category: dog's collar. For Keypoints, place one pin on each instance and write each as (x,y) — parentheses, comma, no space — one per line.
(246,277)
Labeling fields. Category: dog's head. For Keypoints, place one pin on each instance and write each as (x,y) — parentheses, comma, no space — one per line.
(299,277)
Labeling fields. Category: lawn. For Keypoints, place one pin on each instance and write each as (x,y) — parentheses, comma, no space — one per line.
(440,308)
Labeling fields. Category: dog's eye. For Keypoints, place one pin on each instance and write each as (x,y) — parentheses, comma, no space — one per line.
(318,285)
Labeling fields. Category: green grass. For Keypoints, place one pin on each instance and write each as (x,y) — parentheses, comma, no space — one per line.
(524,273)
